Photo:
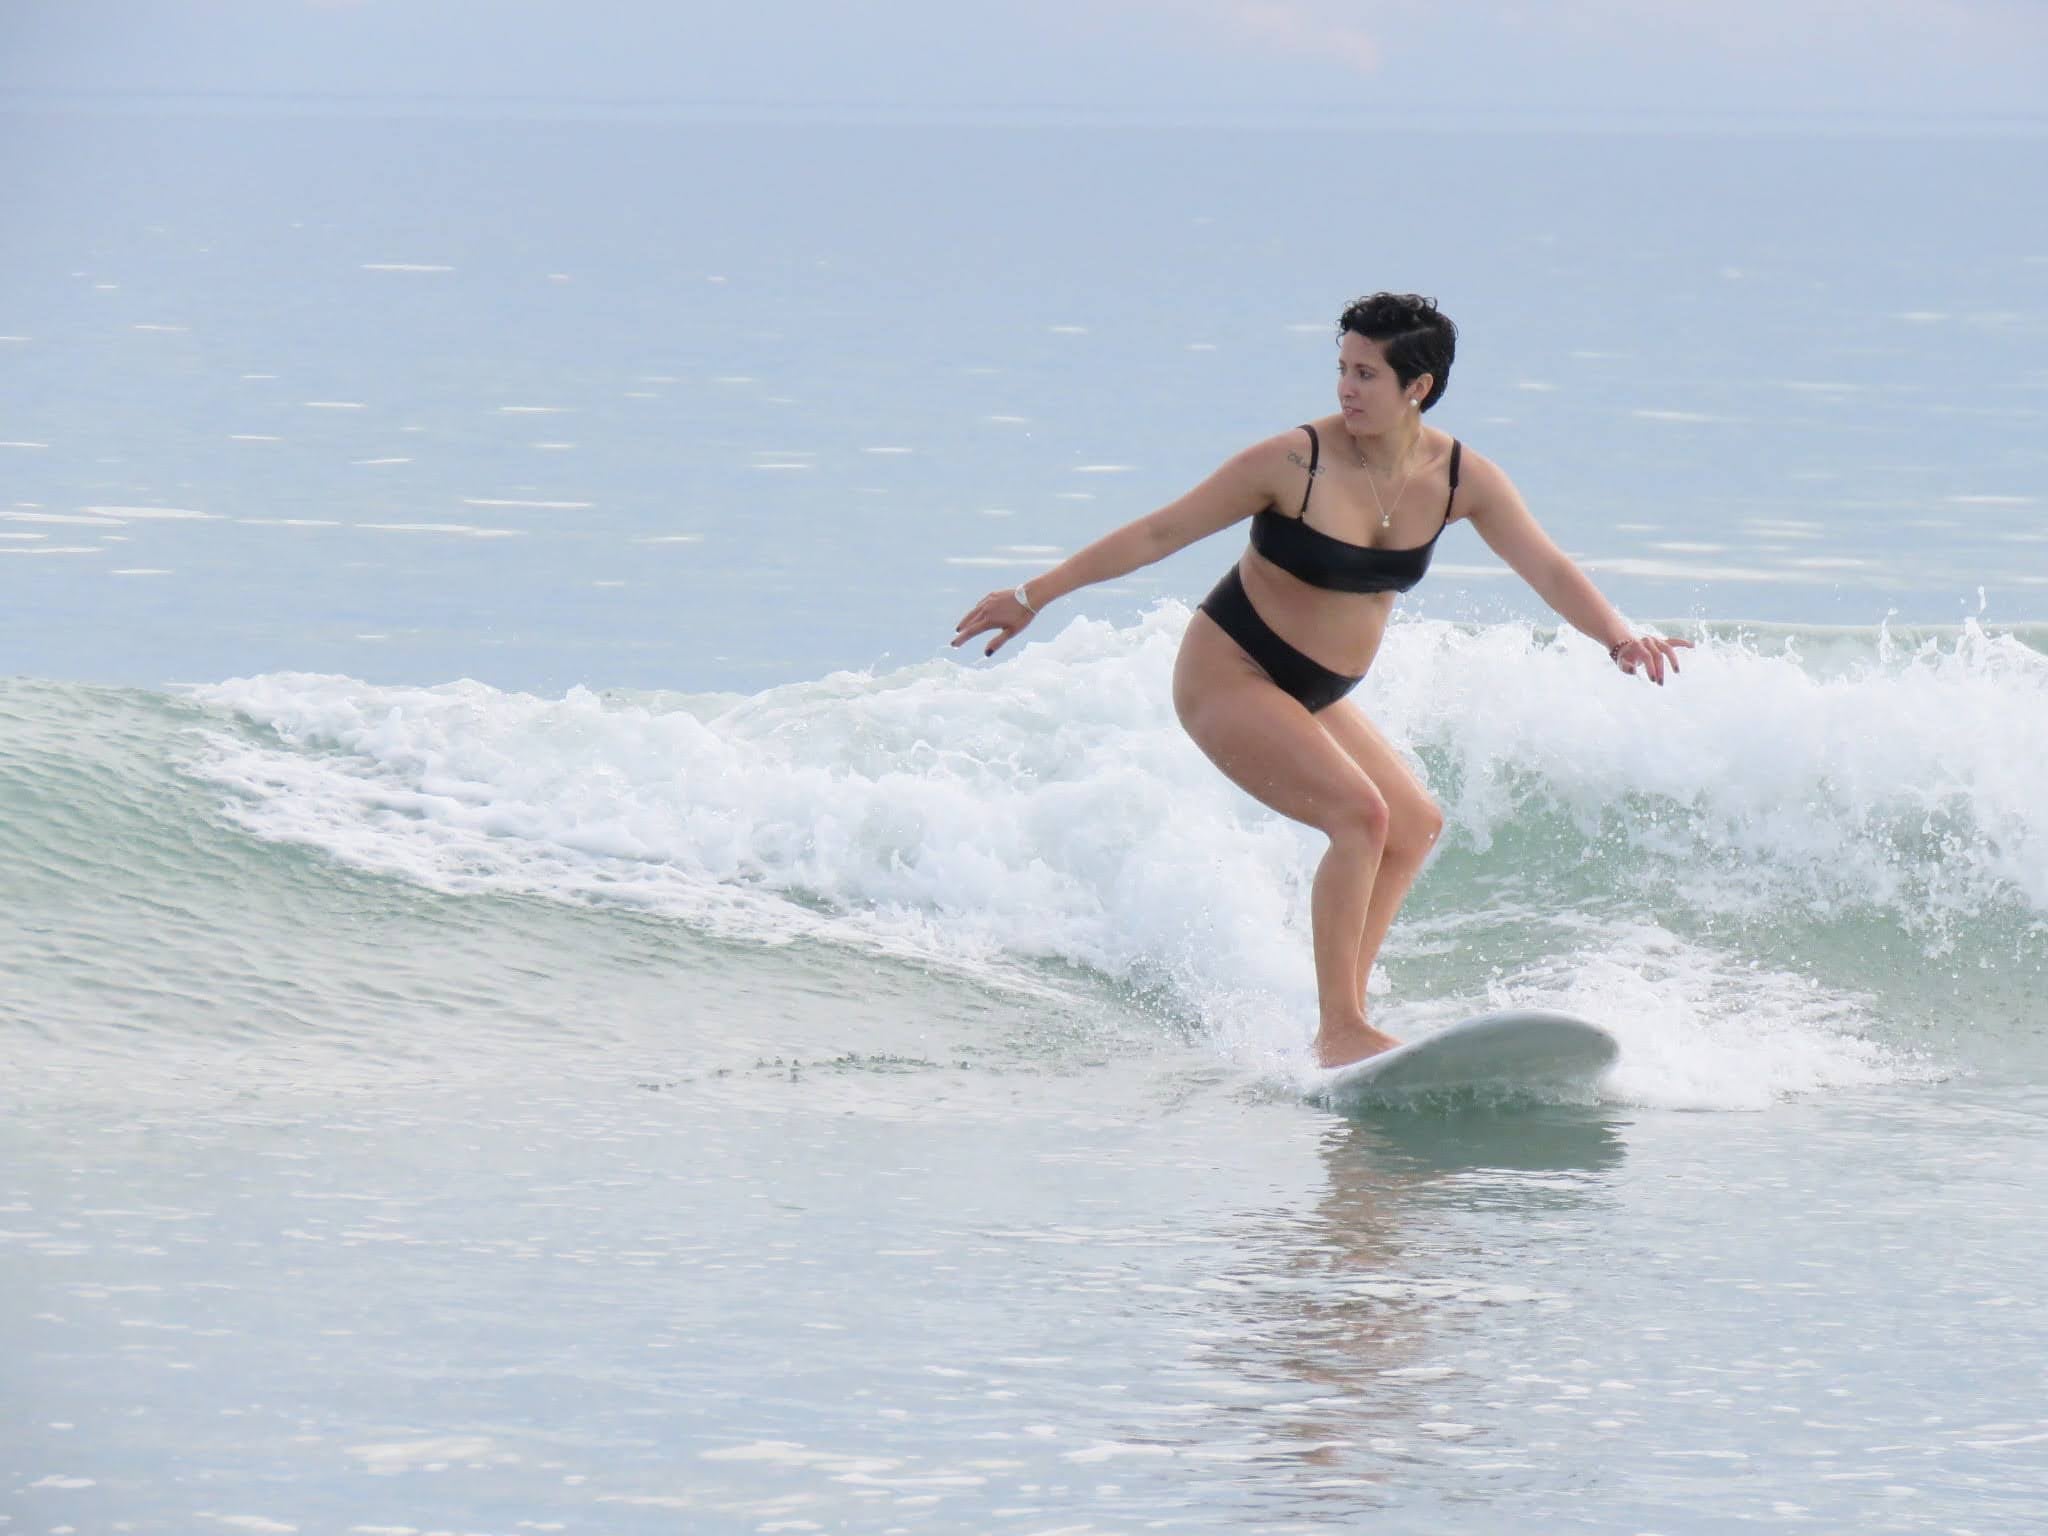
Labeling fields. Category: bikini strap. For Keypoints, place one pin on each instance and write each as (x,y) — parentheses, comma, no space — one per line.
(1315,454)
(1456,448)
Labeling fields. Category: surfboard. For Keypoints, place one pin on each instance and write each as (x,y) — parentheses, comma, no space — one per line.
(1496,1054)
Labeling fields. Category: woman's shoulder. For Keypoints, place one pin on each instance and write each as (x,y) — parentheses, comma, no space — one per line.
(1281,457)
(1482,483)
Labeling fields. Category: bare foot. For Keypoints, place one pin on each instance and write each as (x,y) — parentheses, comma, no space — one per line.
(1342,1041)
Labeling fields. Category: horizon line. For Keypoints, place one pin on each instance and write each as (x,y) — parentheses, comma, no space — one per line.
(1020,113)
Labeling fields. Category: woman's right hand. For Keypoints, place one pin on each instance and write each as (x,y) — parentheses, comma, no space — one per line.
(999,611)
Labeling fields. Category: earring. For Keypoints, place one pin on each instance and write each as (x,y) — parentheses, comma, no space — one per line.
(1414,405)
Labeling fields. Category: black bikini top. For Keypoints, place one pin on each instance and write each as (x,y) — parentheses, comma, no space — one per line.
(1340,566)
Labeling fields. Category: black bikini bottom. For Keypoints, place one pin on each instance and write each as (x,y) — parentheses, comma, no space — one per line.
(1314,684)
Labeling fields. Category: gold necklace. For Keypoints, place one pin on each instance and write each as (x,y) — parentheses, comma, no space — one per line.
(1386,513)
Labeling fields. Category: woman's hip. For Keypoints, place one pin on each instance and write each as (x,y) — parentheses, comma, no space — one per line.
(1229,607)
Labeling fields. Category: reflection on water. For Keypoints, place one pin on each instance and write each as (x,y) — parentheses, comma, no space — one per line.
(1553,1138)
(1329,1342)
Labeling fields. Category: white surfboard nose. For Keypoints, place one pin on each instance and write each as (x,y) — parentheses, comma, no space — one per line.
(1515,1049)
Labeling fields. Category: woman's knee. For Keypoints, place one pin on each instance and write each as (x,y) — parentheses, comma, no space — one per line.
(1361,814)
(1416,831)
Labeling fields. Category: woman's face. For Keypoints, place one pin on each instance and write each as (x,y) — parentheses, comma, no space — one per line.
(1372,398)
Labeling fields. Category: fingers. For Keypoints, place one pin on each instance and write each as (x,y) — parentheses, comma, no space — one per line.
(978,621)
(982,618)
(1655,651)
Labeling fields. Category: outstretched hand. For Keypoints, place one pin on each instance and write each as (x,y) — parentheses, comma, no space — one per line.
(999,611)
(1650,652)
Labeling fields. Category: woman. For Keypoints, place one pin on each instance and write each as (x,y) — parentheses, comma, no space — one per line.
(1345,513)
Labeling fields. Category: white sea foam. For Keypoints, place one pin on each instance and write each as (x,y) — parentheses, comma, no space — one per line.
(1471,572)
(59,517)
(1698,1029)
(1050,807)
(388,1457)
(545,506)
(1797,573)
(161,514)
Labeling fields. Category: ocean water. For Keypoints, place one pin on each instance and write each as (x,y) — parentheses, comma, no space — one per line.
(538,993)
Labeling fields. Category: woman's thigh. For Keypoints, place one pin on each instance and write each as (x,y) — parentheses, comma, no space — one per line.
(1264,741)
(1412,810)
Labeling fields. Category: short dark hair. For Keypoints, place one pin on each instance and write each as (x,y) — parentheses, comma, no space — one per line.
(1419,337)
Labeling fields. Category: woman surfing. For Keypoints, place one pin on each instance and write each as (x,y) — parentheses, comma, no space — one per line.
(1345,512)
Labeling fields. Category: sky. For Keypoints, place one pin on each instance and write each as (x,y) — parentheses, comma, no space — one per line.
(1429,63)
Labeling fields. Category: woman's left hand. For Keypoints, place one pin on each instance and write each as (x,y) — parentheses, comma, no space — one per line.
(1649,652)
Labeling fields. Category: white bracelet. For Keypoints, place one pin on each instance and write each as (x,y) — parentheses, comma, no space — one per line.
(1023,601)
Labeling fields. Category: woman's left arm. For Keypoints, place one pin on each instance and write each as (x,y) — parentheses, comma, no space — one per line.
(1496,509)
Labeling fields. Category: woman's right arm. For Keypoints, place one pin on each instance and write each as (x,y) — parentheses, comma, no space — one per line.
(1234,492)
